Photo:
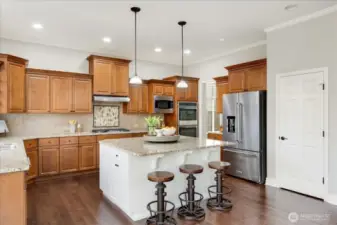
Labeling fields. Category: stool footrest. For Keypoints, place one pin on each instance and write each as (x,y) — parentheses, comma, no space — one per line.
(168,212)
(197,214)
(224,205)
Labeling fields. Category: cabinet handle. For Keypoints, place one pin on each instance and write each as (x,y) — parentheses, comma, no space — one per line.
(116,165)
(117,155)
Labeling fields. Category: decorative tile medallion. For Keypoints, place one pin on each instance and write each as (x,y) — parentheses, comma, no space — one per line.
(106,116)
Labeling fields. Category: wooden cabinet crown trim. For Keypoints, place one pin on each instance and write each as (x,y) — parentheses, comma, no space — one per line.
(177,77)
(221,79)
(57,73)
(246,65)
(93,57)
(13,58)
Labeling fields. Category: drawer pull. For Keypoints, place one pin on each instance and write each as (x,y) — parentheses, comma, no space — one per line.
(116,165)
(117,156)
(49,142)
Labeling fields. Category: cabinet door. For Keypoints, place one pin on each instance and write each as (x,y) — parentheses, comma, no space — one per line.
(61,94)
(236,81)
(168,90)
(82,95)
(102,77)
(132,106)
(16,88)
(221,89)
(38,95)
(256,78)
(87,156)
(158,89)
(192,91)
(144,99)
(33,168)
(181,94)
(120,80)
(49,158)
(68,158)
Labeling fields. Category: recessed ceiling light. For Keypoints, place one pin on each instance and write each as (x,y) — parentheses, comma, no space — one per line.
(157,49)
(187,51)
(291,7)
(222,39)
(37,26)
(106,40)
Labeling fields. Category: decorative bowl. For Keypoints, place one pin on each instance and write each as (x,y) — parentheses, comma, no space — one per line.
(169,131)
(159,132)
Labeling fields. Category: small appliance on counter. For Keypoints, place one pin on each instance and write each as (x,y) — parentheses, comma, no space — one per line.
(188,119)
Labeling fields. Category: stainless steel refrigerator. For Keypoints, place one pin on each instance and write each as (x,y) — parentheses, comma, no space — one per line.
(244,122)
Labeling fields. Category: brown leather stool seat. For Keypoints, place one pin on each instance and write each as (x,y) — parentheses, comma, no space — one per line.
(160,176)
(191,169)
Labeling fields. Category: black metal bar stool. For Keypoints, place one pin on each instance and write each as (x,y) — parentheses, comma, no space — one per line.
(161,211)
(190,200)
(218,202)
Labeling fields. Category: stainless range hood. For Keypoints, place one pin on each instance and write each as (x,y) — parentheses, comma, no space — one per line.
(110,99)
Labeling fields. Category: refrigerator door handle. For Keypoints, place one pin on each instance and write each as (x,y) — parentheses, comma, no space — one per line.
(241,122)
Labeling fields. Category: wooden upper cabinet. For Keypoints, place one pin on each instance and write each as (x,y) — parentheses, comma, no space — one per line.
(12,84)
(103,73)
(221,89)
(143,106)
(61,94)
(169,90)
(256,78)
(121,80)
(181,94)
(82,95)
(111,75)
(185,94)
(236,81)
(192,91)
(138,99)
(37,93)
(249,76)
(158,89)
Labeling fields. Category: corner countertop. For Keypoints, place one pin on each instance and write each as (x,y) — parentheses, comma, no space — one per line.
(137,146)
(16,160)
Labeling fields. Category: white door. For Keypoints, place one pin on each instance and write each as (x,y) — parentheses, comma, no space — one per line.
(300,123)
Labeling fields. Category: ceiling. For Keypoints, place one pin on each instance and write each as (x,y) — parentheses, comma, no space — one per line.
(81,25)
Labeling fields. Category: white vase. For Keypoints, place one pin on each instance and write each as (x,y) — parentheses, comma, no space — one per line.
(72,128)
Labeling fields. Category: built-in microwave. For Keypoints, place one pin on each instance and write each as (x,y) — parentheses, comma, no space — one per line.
(163,104)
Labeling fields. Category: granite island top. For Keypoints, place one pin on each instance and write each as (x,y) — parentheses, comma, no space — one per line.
(138,147)
(16,160)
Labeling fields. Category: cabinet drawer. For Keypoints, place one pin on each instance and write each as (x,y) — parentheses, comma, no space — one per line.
(68,140)
(87,139)
(30,143)
(49,141)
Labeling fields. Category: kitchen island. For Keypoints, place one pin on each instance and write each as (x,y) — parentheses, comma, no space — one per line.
(125,164)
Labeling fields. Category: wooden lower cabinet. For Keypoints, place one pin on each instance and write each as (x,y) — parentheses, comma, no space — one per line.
(68,158)
(49,160)
(33,168)
(87,156)
(97,155)
(13,199)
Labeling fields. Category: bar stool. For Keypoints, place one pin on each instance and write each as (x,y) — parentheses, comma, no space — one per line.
(218,202)
(163,214)
(190,200)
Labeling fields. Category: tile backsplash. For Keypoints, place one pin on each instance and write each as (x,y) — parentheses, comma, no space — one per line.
(41,124)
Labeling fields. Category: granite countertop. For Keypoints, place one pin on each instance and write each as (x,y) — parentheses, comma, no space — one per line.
(16,160)
(137,146)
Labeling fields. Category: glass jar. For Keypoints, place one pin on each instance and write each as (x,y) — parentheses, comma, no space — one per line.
(151,130)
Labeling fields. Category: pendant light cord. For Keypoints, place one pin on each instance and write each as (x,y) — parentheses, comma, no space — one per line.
(182,51)
(136,44)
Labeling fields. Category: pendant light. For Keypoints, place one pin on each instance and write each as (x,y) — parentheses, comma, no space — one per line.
(135,79)
(182,83)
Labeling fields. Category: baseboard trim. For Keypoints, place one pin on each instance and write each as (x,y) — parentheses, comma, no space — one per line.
(331,198)
(271,181)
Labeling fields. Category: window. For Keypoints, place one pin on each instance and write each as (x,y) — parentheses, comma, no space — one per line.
(214,120)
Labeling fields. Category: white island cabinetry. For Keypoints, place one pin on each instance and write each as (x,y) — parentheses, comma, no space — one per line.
(125,164)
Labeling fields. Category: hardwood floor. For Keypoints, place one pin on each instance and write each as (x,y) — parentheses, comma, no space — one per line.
(77,201)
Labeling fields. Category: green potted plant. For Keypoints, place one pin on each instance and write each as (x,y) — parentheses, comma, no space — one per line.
(152,122)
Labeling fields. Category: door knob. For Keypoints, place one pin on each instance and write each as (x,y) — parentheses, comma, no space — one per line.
(282,138)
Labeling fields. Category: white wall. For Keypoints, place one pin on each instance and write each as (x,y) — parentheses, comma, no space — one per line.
(308,45)
(215,68)
(54,58)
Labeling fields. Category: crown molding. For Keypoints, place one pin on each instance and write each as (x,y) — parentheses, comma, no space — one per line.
(302,19)
(231,52)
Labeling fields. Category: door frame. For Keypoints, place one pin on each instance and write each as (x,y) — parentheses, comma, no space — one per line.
(325,122)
